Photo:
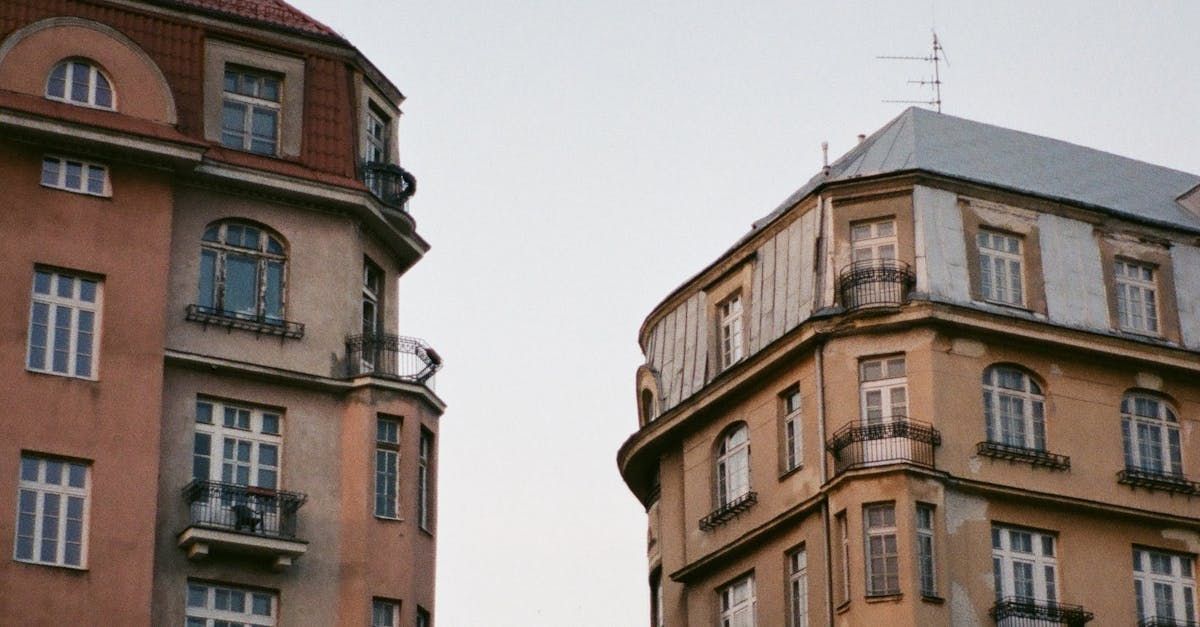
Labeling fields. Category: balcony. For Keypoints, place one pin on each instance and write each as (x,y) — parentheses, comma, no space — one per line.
(728,511)
(266,325)
(1014,611)
(875,283)
(1163,621)
(389,356)
(893,439)
(242,520)
(390,183)
(1031,456)
(1157,480)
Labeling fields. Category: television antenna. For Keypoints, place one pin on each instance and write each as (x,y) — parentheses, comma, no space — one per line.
(935,59)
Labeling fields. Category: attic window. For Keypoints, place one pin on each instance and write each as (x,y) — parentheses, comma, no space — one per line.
(79,82)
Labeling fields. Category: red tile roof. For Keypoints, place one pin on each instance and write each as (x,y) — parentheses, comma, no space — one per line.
(273,12)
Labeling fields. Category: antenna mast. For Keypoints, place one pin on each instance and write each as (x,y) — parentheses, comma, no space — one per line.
(935,59)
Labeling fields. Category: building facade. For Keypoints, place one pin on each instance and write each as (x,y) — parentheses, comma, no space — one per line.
(210,417)
(952,380)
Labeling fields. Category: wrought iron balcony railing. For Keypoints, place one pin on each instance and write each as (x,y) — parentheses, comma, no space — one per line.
(1022,454)
(1026,611)
(391,357)
(728,511)
(1157,480)
(246,509)
(1163,621)
(875,283)
(893,439)
(391,184)
(266,325)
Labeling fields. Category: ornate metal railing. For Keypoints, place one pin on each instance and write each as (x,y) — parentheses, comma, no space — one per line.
(248,322)
(728,511)
(391,357)
(895,439)
(1163,621)
(245,509)
(1021,611)
(391,184)
(1021,454)
(875,283)
(1157,480)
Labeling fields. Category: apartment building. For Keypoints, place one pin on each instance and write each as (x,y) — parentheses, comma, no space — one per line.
(210,417)
(954,379)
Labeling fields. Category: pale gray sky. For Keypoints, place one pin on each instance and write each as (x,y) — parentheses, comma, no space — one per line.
(578,160)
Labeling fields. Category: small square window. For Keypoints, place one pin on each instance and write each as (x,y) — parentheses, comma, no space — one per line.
(75,175)
(250,110)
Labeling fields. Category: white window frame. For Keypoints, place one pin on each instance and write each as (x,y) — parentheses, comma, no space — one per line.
(793,430)
(96,83)
(883,389)
(1164,585)
(372,289)
(1001,268)
(797,588)
(881,549)
(730,330)
(387,467)
(90,178)
(926,551)
(250,425)
(424,619)
(81,308)
(1031,552)
(843,526)
(207,613)
(1014,408)
(873,240)
(52,500)
(377,135)
(656,599)
(737,603)
(1152,442)
(733,465)
(269,253)
(424,493)
(385,612)
(1137,296)
(252,103)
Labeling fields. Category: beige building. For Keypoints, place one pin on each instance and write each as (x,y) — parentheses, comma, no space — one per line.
(952,380)
(210,418)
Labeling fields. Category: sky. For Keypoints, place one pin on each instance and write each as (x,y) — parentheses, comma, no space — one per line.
(576,161)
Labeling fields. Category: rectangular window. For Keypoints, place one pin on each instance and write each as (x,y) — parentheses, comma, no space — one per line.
(925,555)
(424,497)
(843,531)
(385,613)
(656,599)
(793,434)
(52,508)
(729,330)
(798,588)
(375,143)
(1164,585)
(250,110)
(1024,564)
(873,241)
(423,618)
(387,467)
(219,605)
(372,289)
(883,568)
(1000,259)
(63,324)
(737,603)
(884,390)
(236,444)
(1137,308)
(74,175)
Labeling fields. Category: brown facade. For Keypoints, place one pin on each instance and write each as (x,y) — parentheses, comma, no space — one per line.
(209,412)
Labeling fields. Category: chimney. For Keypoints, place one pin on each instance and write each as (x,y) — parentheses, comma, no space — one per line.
(825,157)
(861,138)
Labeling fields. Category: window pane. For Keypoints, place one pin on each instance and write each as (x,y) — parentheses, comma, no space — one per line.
(95,182)
(103,92)
(57,86)
(241,285)
(50,171)
(274,295)
(74,176)
(208,272)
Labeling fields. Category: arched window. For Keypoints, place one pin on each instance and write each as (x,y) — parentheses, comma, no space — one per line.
(242,272)
(80,82)
(647,405)
(733,465)
(1150,431)
(1014,406)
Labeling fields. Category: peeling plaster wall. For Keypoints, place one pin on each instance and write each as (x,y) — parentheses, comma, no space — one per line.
(941,251)
(1186,262)
(1075,293)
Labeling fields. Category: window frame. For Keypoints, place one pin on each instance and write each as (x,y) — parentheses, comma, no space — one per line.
(843,531)
(61,176)
(377,134)
(425,461)
(924,524)
(1182,586)
(387,609)
(731,340)
(387,448)
(657,619)
(424,618)
(216,271)
(791,406)
(797,571)
(95,75)
(734,611)
(1032,398)
(218,432)
(888,570)
(77,306)
(210,615)
(1147,290)
(732,464)
(874,243)
(252,104)
(893,378)
(1169,461)
(988,289)
(1004,557)
(41,487)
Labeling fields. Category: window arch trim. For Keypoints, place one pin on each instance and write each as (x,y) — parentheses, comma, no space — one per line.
(63,84)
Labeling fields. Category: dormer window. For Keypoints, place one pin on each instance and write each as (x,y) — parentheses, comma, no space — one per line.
(250,111)
(378,136)
(82,83)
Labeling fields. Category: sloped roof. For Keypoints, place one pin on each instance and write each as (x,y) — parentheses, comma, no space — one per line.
(919,139)
(273,12)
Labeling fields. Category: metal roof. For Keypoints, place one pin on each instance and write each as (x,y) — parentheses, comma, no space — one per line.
(919,139)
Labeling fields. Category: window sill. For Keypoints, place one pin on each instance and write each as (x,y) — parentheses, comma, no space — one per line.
(1013,306)
(1029,456)
(63,375)
(425,531)
(929,598)
(841,609)
(389,519)
(66,567)
(791,471)
(890,597)
(231,320)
